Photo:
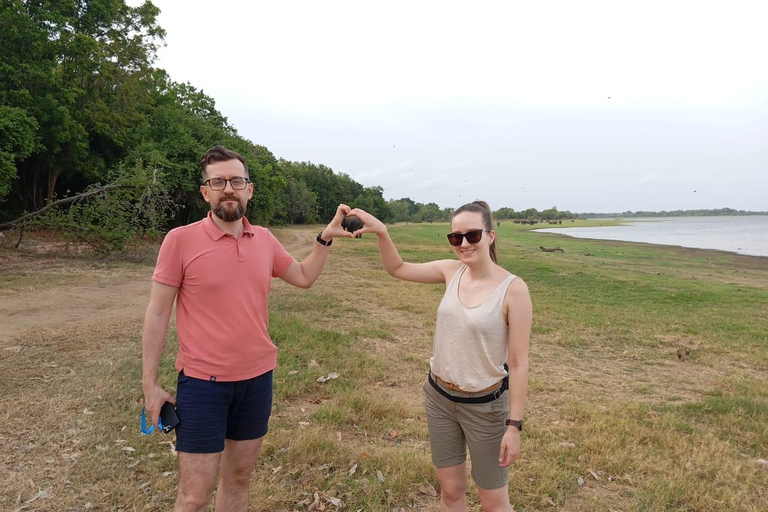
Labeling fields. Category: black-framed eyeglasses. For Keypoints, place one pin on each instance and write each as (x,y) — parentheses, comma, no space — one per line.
(238,183)
(473,236)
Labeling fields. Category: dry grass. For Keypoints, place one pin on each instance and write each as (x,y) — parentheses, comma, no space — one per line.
(609,402)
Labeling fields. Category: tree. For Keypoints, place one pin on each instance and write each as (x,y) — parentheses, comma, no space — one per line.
(429,211)
(550,214)
(372,201)
(75,67)
(17,141)
(505,213)
(107,216)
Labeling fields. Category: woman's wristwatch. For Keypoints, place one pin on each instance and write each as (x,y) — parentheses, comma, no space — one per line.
(514,423)
(320,240)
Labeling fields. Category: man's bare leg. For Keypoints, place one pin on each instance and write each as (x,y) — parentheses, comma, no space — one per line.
(197,474)
(237,464)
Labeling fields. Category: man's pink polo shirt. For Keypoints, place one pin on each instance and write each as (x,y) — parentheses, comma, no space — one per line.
(221,306)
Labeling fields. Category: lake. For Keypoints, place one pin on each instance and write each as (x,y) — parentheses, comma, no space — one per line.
(742,235)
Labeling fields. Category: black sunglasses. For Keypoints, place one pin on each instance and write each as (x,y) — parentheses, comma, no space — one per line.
(473,236)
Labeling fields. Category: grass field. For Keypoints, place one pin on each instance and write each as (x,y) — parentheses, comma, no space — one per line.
(615,420)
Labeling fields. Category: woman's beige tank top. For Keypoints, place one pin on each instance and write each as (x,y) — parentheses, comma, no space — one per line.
(471,344)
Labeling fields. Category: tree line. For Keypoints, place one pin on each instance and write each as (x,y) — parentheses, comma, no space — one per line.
(82,106)
(673,213)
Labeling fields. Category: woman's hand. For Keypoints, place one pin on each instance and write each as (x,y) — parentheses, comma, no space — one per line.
(334,229)
(370,223)
(510,447)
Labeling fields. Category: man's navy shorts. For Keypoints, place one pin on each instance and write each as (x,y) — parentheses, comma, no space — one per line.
(210,412)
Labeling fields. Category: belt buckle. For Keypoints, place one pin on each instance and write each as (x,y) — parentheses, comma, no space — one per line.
(497,394)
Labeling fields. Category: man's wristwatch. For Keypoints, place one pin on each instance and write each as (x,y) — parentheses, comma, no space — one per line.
(320,240)
(515,423)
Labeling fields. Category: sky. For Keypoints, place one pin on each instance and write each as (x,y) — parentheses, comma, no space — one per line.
(586,106)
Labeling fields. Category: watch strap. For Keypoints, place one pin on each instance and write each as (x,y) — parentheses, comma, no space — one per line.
(320,240)
(514,423)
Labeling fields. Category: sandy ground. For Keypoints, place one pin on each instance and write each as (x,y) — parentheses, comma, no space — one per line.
(87,295)
(66,306)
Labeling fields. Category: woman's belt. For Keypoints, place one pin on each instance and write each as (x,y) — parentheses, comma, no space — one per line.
(482,399)
(454,387)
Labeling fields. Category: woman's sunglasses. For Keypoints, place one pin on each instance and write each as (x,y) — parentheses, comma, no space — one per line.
(473,236)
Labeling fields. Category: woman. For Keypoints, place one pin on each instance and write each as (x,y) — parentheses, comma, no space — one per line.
(483,322)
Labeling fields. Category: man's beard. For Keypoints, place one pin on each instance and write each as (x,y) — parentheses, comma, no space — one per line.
(228,214)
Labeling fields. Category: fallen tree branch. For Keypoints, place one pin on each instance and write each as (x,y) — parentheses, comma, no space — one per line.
(66,200)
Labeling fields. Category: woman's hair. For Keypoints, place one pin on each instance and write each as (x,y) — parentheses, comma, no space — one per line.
(482,208)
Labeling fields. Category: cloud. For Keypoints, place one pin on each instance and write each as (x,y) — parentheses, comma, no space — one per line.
(381,175)
(649,178)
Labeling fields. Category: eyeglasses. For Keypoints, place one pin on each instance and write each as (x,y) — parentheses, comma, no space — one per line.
(238,183)
(473,236)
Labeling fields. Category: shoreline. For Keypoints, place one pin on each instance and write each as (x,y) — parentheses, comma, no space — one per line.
(721,252)
(702,233)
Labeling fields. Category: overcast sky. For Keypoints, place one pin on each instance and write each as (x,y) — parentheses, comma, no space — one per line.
(586,106)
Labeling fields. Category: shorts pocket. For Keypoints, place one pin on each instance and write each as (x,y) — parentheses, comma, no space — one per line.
(500,406)
(182,378)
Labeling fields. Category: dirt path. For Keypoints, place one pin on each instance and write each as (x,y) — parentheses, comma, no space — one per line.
(64,305)
(73,293)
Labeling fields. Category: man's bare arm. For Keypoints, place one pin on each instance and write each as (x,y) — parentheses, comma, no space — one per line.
(304,274)
(153,335)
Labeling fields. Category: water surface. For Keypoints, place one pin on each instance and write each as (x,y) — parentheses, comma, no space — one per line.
(739,234)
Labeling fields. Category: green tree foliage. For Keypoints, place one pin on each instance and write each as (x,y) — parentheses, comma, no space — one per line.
(81,105)
(674,213)
(76,67)
(403,209)
(429,211)
(372,201)
(135,202)
(505,213)
(17,141)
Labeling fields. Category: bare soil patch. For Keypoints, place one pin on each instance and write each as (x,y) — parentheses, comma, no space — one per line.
(70,346)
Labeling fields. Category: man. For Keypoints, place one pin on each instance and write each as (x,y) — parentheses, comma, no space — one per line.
(219,271)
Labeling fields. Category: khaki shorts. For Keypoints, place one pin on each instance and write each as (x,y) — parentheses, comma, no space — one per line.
(454,426)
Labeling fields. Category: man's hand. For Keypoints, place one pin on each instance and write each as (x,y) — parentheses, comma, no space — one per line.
(154,398)
(510,447)
(334,229)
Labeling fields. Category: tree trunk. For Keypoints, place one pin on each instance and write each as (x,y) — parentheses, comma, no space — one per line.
(37,189)
(52,177)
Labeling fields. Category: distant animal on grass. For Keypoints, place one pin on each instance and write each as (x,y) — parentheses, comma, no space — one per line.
(554,249)
(352,224)
(683,353)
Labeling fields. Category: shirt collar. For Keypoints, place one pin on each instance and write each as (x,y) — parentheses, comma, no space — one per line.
(216,234)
